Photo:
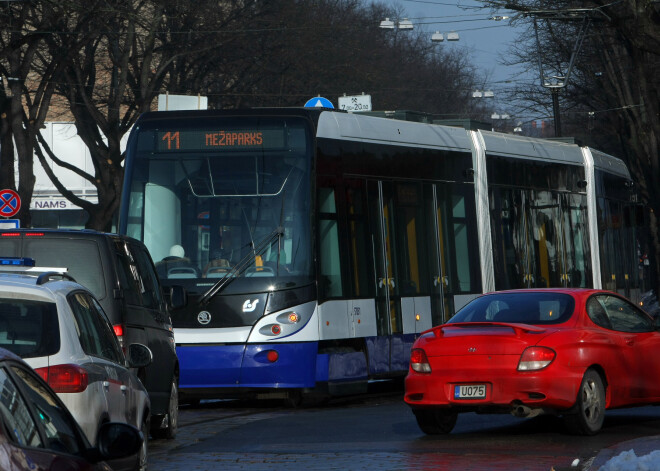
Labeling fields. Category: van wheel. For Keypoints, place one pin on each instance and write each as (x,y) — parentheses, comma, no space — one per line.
(169,432)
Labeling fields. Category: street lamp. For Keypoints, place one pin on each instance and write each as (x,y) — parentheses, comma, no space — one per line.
(438,37)
(483,94)
(403,24)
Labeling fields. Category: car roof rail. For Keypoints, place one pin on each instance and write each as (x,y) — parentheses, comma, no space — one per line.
(49,275)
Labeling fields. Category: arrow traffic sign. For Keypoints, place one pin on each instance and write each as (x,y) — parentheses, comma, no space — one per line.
(319,102)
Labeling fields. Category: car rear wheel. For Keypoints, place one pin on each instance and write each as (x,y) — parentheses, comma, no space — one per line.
(435,422)
(143,454)
(589,413)
(170,430)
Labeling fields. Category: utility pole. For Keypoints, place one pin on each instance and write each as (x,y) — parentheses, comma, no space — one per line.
(559,79)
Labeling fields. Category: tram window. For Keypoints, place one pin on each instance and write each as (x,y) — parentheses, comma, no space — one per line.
(360,261)
(458,236)
(329,254)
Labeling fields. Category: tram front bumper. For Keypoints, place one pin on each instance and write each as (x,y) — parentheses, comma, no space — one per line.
(213,368)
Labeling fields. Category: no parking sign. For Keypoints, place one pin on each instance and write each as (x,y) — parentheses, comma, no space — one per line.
(10,203)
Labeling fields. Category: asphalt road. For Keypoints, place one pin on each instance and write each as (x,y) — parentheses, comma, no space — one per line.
(379,433)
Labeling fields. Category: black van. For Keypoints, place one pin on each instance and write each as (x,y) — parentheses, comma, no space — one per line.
(119,271)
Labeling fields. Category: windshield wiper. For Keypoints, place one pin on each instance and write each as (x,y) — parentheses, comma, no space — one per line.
(242,265)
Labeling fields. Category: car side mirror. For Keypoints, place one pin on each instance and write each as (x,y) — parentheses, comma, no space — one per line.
(178,297)
(117,440)
(139,355)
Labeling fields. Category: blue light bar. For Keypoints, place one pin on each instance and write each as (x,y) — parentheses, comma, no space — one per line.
(16,261)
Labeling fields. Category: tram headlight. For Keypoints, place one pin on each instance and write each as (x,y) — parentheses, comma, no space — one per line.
(289,317)
(285,323)
(271,330)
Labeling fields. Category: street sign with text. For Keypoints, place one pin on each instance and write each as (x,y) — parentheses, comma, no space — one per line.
(355,103)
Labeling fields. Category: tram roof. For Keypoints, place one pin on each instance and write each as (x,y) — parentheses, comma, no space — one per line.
(609,163)
(522,147)
(376,130)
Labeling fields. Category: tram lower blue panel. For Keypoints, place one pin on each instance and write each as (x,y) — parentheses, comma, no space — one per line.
(247,366)
(341,366)
(295,367)
(209,366)
(389,354)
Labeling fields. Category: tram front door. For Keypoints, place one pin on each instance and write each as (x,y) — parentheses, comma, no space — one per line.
(402,219)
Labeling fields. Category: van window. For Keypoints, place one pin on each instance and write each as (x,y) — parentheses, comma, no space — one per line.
(135,276)
(151,297)
(82,257)
(129,277)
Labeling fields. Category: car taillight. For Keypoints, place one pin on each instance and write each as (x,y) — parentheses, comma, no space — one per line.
(119,332)
(536,358)
(64,378)
(419,362)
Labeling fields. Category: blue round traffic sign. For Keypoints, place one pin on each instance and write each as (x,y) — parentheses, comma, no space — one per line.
(319,102)
(10,203)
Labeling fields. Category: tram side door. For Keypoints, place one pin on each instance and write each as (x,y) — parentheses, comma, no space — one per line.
(388,300)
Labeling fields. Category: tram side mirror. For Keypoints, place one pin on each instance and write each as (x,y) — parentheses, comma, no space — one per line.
(582,184)
(178,297)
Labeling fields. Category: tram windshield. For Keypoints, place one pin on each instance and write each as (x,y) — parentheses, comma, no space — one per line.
(224,198)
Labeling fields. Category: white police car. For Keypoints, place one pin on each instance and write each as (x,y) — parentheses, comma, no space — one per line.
(60,330)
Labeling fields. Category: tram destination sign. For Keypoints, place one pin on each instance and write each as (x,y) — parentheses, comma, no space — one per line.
(219,139)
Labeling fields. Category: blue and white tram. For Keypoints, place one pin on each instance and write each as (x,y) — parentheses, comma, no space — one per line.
(315,245)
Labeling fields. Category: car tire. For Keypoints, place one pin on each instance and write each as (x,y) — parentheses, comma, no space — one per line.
(589,410)
(436,421)
(143,454)
(169,432)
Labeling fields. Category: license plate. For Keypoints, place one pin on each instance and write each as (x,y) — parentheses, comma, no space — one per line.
(470,391)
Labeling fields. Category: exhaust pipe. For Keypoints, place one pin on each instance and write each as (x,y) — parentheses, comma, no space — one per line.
(521,410)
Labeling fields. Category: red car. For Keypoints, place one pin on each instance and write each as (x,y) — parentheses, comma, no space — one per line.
(571,352)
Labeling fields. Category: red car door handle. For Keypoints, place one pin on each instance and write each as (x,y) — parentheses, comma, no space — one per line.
(630,341)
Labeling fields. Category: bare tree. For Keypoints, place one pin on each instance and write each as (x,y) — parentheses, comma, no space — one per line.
(242,54)
(31,69)
(137,47)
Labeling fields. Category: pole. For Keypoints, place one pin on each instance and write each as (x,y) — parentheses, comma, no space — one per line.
(555,111)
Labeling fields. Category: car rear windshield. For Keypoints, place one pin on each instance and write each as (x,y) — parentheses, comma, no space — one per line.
(80,256)
(29,328)
(524,308)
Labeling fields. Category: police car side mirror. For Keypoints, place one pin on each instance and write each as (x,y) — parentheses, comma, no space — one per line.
(178,297)
(139,355)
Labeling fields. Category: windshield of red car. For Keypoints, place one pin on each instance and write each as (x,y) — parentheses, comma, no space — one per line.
(534,308)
